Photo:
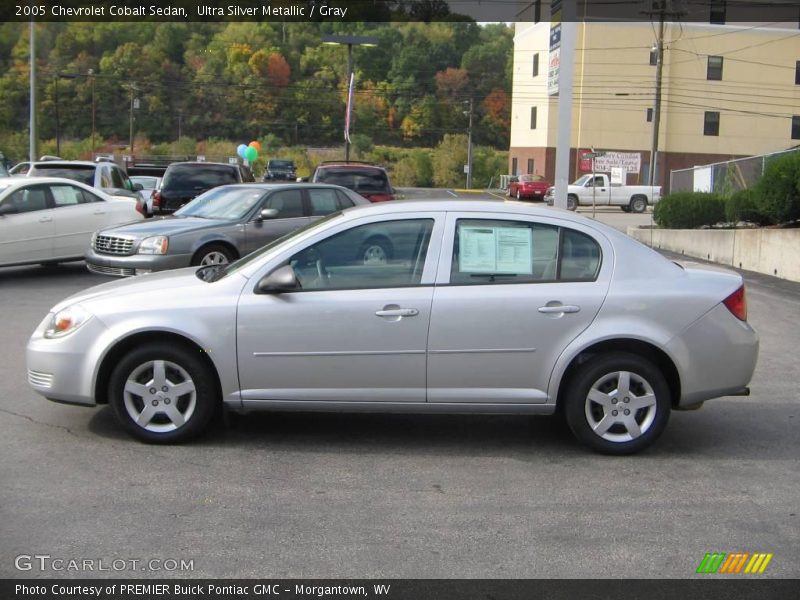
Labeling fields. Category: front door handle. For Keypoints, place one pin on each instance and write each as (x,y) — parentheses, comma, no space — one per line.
(397,312)
(99,212)
(567,308)
(45,219)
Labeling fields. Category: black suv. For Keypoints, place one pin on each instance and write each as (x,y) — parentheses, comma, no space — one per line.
(371,181)
(280,169)
(183,181)
(103,174)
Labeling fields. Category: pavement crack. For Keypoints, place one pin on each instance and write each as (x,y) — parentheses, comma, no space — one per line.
(32,420)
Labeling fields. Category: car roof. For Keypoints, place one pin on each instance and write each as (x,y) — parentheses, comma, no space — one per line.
(20,181)
(201,163)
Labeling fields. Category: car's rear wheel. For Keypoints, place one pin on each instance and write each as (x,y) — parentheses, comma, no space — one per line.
(163,394)
(638,204)
(617,403)
(213,254)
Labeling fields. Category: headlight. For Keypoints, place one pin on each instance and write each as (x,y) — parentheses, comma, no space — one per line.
(66,321)
(154,245)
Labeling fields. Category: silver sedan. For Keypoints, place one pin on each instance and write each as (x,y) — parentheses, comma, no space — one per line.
(414,306)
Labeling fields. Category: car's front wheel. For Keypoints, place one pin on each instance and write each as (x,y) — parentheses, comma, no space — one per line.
(163,394)
(213,254)
(617,403)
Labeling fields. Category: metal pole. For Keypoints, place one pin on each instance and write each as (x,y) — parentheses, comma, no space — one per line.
(349,77)
(32,116)
(58,124)
(130,131)
(594,187)
(469,148)
(657,107)
(563,139)
(91,74)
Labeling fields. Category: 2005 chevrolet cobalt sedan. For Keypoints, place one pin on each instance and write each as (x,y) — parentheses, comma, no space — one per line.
(456,307)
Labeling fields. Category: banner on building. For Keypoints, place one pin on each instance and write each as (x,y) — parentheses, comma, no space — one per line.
(631,162)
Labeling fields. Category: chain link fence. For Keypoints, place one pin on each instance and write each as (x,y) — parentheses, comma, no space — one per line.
(724,177)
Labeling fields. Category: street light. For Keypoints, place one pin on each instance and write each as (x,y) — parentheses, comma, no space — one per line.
(349,41)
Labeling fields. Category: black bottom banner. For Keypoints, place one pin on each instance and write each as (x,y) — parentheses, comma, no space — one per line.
(399,589)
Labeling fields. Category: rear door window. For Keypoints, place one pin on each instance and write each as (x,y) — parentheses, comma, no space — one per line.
(289,203)
(66,195)
(323,201)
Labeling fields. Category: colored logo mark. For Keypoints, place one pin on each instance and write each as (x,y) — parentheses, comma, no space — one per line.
(734,562)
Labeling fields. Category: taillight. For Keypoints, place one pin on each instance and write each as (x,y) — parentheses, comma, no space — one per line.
(156,199)
(737,304)
(140,207)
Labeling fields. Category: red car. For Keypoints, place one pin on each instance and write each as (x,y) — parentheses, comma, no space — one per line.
(529,186)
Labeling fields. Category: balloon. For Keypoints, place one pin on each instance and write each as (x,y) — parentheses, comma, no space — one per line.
(256,145)
(251,153)
(241,149)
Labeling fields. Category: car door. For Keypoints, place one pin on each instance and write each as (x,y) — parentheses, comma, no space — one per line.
(357,330)
(511,294)
(291,215)
(26,235)
(75,217)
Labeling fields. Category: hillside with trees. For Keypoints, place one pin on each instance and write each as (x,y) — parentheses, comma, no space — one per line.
(273,82)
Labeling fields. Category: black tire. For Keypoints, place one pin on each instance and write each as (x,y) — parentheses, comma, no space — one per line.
(375,249)
(181,366)
(572,202)
(638,204)
(212,254)
(647,394)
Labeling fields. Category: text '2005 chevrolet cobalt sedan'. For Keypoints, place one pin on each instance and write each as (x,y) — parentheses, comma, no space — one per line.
(467,307)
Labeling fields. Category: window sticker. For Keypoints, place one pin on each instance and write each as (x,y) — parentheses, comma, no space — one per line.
(495,250)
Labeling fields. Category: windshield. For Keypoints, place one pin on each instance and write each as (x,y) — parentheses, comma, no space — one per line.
(531,178)
(145,181)
(582,180)
(246,260)
(227,203)
(198,176)
(281,164)
(80,173)
(358,180)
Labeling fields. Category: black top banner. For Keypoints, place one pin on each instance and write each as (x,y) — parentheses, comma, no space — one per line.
(695,11)
(398,589)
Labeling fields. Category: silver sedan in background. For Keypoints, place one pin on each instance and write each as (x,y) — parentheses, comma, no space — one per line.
(469,307)
(217,227)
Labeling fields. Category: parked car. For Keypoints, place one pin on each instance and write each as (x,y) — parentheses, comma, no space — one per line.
(217,227)
(482,307)
(280,169)
(149,185)
(598,190)
(20,169)
(49,220)
(184,181)
(529,186)
(370,181)
(102,174)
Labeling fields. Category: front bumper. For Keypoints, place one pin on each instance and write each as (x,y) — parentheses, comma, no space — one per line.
(63,369)
(134,264)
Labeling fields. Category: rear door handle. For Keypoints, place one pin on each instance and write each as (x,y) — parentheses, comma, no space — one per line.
(567,308)
(99,212)
(45,219)
(397,312)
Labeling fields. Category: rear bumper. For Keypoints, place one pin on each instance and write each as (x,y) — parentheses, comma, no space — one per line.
(716,355)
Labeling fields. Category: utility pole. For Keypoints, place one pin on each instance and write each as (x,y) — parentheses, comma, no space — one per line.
(58,124)
(32,115)
(469,148)
(180,112)
(657,108)
(132,88)
(91,74)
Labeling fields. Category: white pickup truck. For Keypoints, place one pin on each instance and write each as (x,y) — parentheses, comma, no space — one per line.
(597,188)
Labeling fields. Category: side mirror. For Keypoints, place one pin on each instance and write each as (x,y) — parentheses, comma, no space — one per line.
(138,187)
(7,209)
(267,213)
(282,279)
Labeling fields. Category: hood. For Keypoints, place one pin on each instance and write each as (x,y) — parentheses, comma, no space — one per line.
(157,284)
(164,226)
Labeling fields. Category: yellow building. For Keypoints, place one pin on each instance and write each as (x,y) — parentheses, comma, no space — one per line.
(727,91)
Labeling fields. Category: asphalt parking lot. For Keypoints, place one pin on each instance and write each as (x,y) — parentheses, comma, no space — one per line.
(315,495)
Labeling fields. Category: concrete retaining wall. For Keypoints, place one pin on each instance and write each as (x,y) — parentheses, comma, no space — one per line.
(773,252)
